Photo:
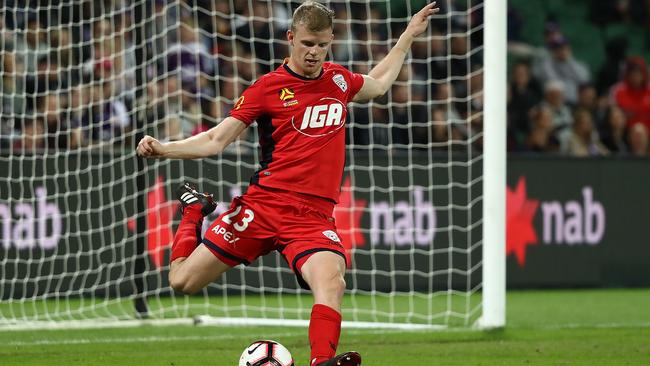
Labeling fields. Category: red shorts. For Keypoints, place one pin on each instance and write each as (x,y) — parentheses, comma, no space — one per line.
(266,219)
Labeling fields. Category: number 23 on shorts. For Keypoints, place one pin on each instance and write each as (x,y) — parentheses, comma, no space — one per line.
(243,223)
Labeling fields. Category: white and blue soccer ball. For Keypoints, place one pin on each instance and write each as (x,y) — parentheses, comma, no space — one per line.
(266,353)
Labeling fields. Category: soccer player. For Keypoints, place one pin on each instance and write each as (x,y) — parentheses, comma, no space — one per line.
(300,109)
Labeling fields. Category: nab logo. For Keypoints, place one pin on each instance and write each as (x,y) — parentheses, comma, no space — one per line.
(322,119)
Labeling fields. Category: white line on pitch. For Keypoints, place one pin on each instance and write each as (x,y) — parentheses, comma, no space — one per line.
(153,339)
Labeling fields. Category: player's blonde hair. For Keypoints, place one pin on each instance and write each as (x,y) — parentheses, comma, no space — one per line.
(314,16)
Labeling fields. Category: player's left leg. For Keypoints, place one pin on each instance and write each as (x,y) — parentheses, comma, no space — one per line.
(324,272)
(309,243)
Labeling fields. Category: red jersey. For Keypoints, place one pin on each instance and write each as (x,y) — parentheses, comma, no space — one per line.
(301,127)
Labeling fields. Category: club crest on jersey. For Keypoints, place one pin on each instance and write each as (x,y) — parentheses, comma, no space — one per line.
(340,81)
(323,118)
(331,235)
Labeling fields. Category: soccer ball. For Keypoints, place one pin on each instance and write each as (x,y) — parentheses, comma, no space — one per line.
(266,353)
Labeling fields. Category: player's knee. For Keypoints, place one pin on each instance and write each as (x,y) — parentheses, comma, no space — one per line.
(332,284)
(339,285)
(182,284)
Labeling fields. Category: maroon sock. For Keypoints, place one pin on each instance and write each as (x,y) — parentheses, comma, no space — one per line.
(324,332)
(188,234)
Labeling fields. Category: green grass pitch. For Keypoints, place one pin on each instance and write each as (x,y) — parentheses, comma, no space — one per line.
(583,327)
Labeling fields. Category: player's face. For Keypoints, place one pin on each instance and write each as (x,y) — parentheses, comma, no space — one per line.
(309,49)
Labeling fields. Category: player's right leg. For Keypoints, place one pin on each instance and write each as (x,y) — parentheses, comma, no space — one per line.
(193,266)
(237,236)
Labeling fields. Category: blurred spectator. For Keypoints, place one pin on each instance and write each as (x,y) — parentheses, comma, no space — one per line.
(613,131)
(399,114)
(48,77)
(108,118)
(554,101)
(524,93)
(60,134)
(11,86)
(632,93)
(542,138)
(515,24)
(459,62)
(177,109)
(164,17)
(443,132)
(583,140)
(190,56)
(202,54)
(61,41)
(31,44)
(560,64)
(380,122)
(615,51)
(471,90)
(32,135)
(78,107)
(588,99)
(430,58)
(359,126)
(171,127)
(256,35)
(343,46)
(112,57)
(443,99)
(210,114)
(638,140)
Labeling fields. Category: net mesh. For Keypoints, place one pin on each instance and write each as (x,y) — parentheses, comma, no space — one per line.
(86,225)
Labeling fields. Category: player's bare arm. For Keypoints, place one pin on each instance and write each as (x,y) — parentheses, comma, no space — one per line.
(208,143)
(382,76)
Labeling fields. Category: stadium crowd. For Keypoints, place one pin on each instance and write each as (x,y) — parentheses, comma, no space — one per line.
(69,76)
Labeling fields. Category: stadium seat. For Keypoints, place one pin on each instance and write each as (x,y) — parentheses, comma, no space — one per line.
(635,35)
(534,16)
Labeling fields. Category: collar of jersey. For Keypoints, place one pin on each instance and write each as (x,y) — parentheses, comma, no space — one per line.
(286,67)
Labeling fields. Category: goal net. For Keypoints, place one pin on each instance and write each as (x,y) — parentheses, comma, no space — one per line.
(86,226)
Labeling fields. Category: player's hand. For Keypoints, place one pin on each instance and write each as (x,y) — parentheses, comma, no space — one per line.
(149,147)
(420,20)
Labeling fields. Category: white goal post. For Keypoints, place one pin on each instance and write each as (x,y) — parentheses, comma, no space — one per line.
(86,225)
(494,204)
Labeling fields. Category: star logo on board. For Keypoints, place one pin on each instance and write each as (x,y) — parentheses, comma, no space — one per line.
(160,214)
(348,214)
(520,212)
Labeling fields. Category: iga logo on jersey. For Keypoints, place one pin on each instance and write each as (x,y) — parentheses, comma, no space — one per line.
(321,119)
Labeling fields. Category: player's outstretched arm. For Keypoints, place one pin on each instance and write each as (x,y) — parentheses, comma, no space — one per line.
(208,143)
(382,76)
